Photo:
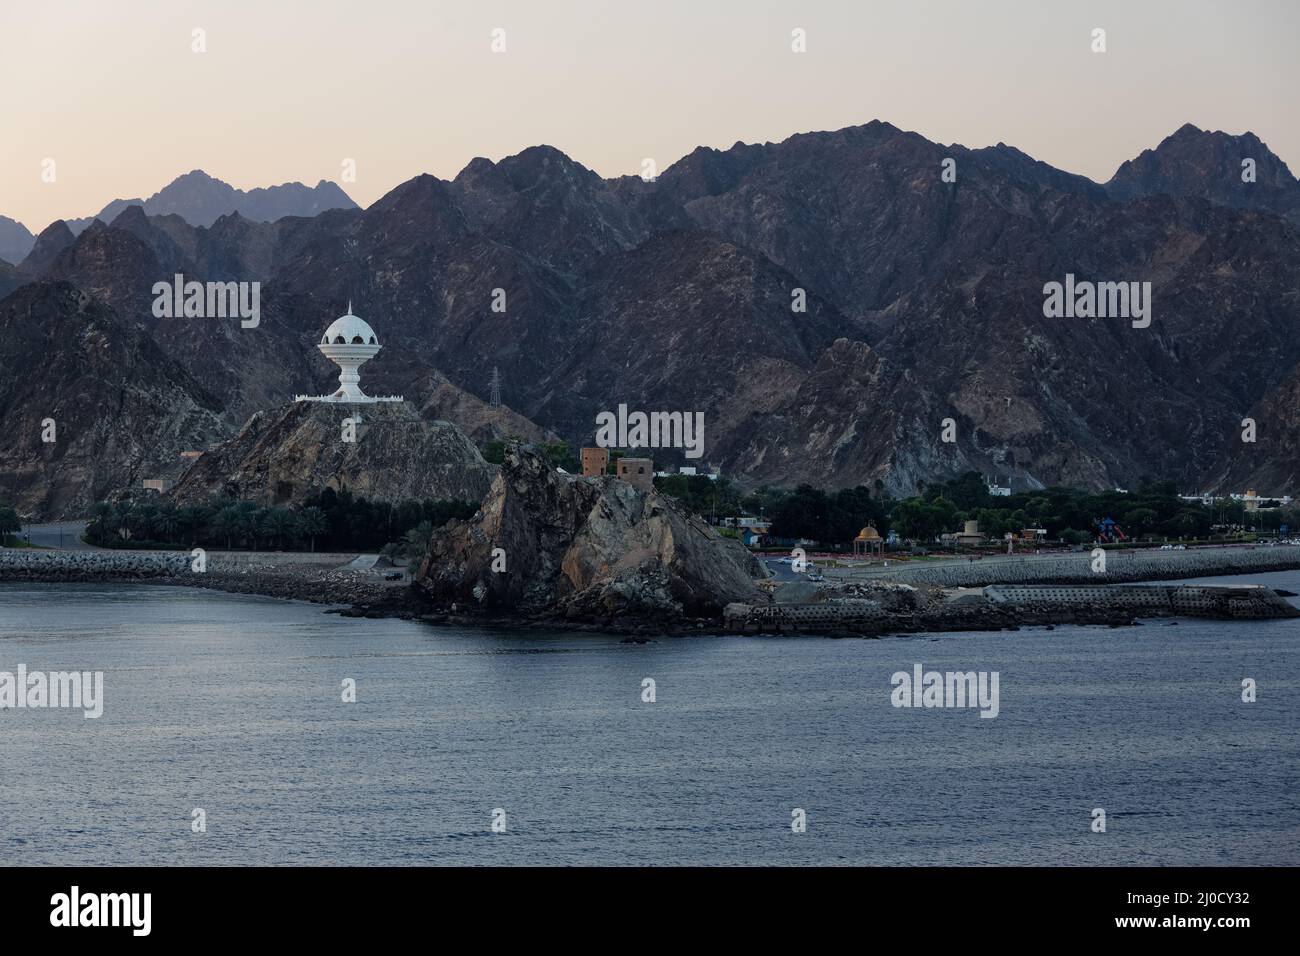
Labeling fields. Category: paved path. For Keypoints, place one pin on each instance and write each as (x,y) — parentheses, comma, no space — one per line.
(58,534)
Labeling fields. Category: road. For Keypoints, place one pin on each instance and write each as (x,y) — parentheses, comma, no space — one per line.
(58,534)
(782,573)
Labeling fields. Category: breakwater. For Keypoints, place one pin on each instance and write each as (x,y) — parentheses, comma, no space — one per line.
(1121,567)
(1250,602)
(323,578)
(1000,606)
(29,564)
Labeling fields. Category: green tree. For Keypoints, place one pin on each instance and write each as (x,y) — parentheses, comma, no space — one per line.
(280,523)
(416,541)
(312,523)
(9,522)
(913,519)
(1139,521)
(167,521)
(226,524)
(190,520)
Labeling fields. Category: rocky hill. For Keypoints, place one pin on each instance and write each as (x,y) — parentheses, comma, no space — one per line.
(285,454)
(117,408)
(593,549)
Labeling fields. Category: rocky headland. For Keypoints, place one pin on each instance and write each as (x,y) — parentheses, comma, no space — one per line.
(550,546)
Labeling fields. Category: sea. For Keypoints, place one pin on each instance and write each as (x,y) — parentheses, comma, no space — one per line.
(240,730)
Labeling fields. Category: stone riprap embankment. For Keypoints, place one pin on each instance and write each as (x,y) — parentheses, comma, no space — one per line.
(1121,567)
(21,564)
(882,610)
(323,578)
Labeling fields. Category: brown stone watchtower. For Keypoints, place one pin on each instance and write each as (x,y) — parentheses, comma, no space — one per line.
(594,461)
(637,471)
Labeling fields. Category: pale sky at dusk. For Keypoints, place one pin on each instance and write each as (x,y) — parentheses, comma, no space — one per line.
(287,90)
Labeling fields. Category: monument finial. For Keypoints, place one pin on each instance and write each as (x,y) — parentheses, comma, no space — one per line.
(349,306)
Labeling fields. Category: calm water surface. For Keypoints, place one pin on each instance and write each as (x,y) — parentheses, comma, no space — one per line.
(233,704)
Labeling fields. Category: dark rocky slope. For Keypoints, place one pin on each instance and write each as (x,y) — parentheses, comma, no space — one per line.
(285,454)
(15,241)
(1208,165)
(122,410)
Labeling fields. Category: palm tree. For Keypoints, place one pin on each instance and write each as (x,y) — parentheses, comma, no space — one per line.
(9,522)
(248,518)
(190,519)
(311,522)
(122,520)
(280,523)
(226,524)
(167,521)
(101,519)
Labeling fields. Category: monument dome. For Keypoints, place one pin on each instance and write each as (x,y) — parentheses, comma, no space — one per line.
(349,330)
(349,343)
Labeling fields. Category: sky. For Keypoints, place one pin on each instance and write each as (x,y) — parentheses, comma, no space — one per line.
(116,95)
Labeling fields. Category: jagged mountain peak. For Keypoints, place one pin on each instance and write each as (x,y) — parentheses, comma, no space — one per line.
(201,198)
(1230,169)
(53,239)
(16,240)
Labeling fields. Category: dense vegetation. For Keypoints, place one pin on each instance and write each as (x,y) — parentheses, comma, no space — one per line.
(1071,515)
(327,521)
(9,523)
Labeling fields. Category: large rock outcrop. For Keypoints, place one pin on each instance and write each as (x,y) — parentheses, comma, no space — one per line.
(584,548)
(285,454)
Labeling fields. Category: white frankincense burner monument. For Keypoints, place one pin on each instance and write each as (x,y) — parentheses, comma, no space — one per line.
(349,343)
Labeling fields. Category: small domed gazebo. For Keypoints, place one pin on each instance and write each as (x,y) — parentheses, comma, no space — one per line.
(349,343)
(868,543)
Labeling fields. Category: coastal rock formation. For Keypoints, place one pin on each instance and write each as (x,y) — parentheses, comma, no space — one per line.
(596,548)
(285,454)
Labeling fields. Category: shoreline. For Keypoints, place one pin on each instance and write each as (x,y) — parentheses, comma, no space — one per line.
(359,593)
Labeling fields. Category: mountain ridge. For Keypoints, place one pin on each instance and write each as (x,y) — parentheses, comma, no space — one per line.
(201,199)
(922,298)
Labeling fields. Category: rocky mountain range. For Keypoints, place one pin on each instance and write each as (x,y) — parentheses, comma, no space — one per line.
(922,300)
(200,200)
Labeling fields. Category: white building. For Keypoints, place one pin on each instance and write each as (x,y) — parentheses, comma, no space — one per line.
(998,491)
(349,343)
